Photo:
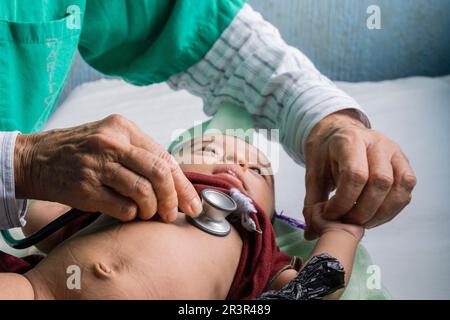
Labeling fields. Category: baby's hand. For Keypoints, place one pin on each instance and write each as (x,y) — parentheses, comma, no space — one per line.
(316,221)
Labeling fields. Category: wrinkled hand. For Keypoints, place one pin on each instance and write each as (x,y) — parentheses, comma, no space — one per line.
(320,225)
(371,175)
(109,166)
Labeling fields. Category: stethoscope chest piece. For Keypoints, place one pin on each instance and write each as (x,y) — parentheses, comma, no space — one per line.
(216,207)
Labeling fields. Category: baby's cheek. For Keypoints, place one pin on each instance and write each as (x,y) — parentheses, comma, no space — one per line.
(264,197)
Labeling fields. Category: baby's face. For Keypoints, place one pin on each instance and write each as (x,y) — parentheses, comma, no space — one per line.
(235,161)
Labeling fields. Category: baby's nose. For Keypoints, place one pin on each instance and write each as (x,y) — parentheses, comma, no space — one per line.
(235,159)
(243,165)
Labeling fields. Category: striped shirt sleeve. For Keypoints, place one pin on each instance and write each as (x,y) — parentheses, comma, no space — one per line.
(251,66)
(12,210)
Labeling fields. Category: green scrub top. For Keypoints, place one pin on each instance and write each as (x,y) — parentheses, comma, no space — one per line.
(141,41)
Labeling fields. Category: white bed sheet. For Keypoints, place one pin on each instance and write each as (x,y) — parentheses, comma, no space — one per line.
(413,251)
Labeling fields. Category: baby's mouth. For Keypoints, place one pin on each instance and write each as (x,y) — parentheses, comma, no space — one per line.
(230,176)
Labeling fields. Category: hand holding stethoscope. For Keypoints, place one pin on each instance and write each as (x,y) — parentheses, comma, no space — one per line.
(108,166)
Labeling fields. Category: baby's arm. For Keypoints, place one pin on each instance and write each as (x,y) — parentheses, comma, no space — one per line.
(39,214)
(15,287)
(338,240)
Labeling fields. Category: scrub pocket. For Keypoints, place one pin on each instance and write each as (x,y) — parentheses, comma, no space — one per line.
(35,59)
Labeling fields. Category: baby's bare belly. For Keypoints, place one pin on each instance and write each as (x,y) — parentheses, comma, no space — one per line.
(141,260)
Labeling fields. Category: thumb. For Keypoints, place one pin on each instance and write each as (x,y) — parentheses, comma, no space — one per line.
(315,192)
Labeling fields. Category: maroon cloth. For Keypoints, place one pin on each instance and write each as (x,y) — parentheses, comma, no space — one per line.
(9,263)
(260,258)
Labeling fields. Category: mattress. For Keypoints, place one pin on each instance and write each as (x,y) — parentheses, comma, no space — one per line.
(412,251)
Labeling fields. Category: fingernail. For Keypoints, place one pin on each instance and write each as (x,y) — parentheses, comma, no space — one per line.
(196,206)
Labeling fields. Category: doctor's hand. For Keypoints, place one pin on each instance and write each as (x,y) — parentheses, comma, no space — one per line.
(108,166)
(371,175)
(320,225)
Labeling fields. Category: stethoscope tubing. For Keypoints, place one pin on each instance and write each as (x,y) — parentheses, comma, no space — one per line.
(45,232)
(73,214)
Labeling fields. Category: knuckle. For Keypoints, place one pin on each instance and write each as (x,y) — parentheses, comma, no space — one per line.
(408,182)
(342,138)
(84,187)
(357,176)
(160,169)
(98,142)
(135,153)
(170,162)
(117,119)
(143,188)
(381,181)
(166,157)
(87,176)
(84,161)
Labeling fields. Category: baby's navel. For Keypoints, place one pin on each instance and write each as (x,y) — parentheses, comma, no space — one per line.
(102,270)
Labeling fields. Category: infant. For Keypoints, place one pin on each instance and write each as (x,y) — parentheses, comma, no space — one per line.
(157,260)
